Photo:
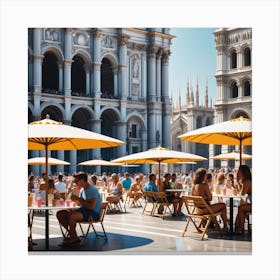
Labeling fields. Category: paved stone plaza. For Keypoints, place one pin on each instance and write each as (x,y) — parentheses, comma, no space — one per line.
(133,233)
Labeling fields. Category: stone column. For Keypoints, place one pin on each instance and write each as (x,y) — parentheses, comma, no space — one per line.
(60,155)
(67,62)
(87,71)
(60,73)
(144,143)
(240,89)
(144,77)
(211,154)
(115,73)
(37,61)
(96,153)
(30,72)
(123,85)
(166,106)
(97,37)
(152,49)
(166,115)
(158,75)
(165,76)
(121,135)
(73,160)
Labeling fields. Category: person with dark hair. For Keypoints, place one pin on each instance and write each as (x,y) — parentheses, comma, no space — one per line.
(209,181)
(127,181)
(244,180)
(151,185)
(90,203)
(201,188)
(171,196)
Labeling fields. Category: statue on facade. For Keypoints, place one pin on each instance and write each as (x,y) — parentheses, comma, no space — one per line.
(135,68)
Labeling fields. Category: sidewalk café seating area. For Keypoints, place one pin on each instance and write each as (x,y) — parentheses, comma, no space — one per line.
(141,230)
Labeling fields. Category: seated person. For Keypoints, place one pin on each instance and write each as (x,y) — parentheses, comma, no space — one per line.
(60,185)
(90,206)
(115,189)
(202,189)
(151,185)
(135,190)
(126,182)
(220,183)
(171,197)
(244,180)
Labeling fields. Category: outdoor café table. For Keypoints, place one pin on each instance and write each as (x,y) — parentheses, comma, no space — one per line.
(175,190)
(231,198)
(46,209)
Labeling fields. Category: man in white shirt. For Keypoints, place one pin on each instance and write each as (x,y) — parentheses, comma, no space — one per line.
(60,185)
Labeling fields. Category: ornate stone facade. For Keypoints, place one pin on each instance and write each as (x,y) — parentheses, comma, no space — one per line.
(112,81)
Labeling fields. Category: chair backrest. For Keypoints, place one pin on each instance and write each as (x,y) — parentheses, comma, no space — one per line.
(162,196)
(149,195)
(103,211)
(195,201)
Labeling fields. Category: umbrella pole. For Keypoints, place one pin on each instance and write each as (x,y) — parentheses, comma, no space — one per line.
(159,176)
(47,192)
(240,152)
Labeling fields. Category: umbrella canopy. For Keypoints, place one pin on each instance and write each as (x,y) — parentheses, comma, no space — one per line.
(233,132)
(48,135)
(58,136)
(98,162)
(51,161)
(158,155)
(232,156)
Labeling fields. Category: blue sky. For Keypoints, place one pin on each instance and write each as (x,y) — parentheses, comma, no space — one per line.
(193,55)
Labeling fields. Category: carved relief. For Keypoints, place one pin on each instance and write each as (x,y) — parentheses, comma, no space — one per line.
(135,74)
(135,67)
(109,42)
(135,89)
(52,34)
(81,38)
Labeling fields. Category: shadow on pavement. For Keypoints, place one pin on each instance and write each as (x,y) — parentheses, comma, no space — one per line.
(93,243)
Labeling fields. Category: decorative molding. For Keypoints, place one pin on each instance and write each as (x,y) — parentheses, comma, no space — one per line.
(123,40)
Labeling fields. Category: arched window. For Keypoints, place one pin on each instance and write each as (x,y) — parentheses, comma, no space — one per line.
(247,88)
(107,79)
(233,60)
(247,57)
(198,122)
(234,90)
(78,76)
(50,73)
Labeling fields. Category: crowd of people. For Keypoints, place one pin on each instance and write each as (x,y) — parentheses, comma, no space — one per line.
(84,189)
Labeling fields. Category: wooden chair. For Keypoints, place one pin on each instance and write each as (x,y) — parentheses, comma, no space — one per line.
(133,199)
(30,223)
(114,204)
(161,201)
(201,222)
(149,198)
(91,223)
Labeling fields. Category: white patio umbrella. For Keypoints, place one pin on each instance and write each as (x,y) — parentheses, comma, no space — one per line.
(99,162)
(158,155)
(233,132)
(232,156)
(42,161)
